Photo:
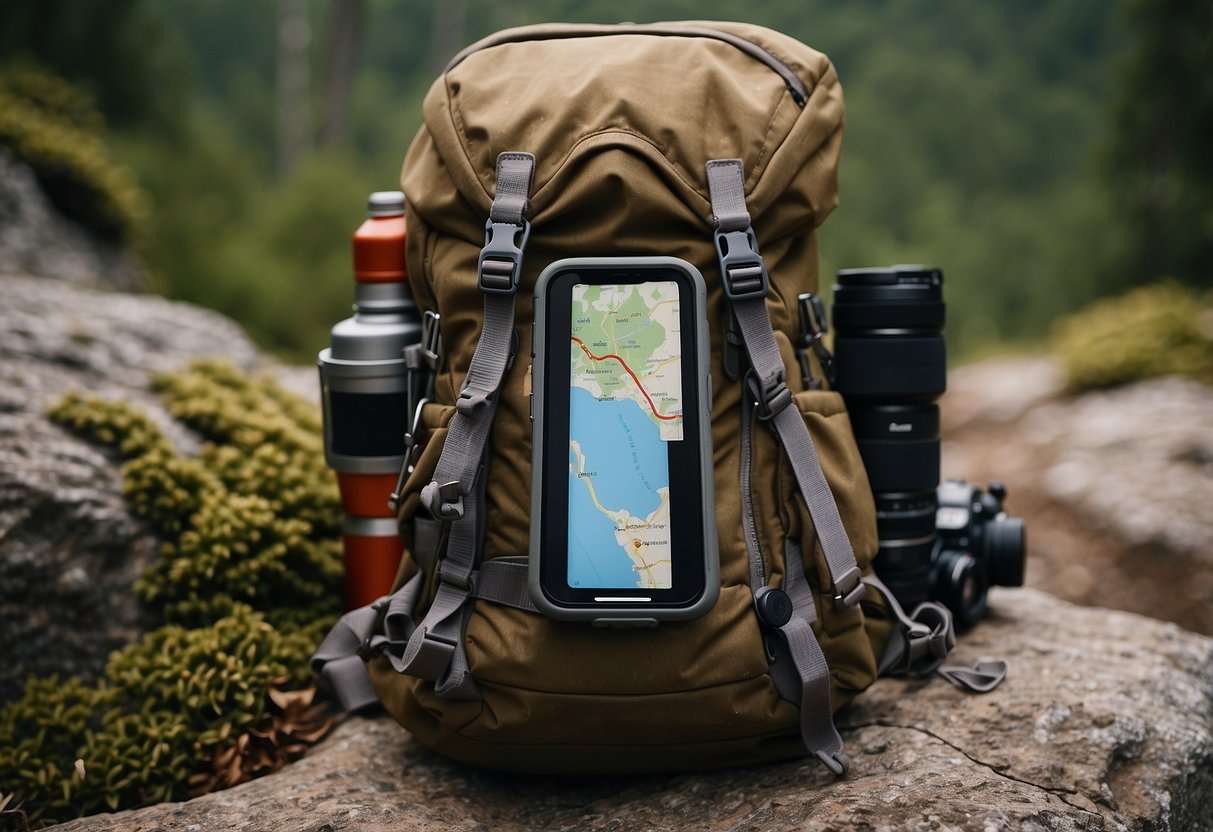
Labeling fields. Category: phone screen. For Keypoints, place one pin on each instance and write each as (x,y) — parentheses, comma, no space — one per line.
(625,406)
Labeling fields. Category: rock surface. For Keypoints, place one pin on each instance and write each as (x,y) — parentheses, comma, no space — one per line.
(36,239)
(69,549)
(1105,722)
(1116,486)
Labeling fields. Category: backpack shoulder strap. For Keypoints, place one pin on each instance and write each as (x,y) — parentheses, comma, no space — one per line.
(805,679)
(435,649)
(746,285)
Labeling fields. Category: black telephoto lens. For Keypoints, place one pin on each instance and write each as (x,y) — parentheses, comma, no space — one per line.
(891,367)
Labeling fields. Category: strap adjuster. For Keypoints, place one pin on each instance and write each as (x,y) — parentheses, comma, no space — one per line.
(741,268)
(500,266)
(771,398)
(813,328)
(470,400)
(368,649)
(450,501)
(849,589)
(431,339)
(449,578)
(433,655)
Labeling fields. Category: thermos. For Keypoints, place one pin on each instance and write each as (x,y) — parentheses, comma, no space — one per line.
(365,394)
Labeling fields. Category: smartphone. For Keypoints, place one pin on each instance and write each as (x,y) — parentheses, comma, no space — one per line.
(623,527)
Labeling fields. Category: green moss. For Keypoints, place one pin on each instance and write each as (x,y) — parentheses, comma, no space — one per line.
(1156,330)
(247,583)
(57,131)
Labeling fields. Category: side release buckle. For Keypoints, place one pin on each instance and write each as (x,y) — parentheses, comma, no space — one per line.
(741,268)
(500,266)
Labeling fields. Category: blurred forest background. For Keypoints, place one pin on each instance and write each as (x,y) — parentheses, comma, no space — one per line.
(1042,153)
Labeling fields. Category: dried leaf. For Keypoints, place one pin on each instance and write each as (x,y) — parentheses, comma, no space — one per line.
(283,734)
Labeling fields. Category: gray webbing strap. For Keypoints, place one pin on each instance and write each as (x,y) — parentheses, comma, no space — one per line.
(512,200)
(500,268)
(797,639)
(504,581)
(746,283)
(982,677)
(339,663)
(435,649)
(920,642)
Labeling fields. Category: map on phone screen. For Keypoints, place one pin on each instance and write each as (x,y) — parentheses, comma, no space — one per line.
(625,404)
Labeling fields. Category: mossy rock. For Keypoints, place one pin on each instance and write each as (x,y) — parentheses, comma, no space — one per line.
(56,130)
(1156,330)
(247,583)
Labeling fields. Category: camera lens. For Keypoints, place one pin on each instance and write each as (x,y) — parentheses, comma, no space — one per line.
(907,535)
(1005,551)
(891,367)
(888,326)
(960,581)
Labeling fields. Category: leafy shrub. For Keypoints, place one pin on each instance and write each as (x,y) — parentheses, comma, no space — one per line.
(56,130)
(1155,330)
(246,583)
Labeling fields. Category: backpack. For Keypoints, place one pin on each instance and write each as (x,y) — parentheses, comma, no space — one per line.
(717,143)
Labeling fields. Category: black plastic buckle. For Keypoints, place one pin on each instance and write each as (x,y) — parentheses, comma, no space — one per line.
(431,339)
(500,266)
(770,399)
(741,268)
(814,326)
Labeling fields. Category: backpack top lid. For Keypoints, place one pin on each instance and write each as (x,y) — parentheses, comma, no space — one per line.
(674,95)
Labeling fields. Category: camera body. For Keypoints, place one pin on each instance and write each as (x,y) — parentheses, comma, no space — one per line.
(944,542)
(976,546)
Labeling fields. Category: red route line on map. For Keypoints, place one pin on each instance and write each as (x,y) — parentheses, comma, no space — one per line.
(647,398)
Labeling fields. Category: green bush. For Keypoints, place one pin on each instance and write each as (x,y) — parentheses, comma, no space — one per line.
(1156,330)
(247,582)
(55,130)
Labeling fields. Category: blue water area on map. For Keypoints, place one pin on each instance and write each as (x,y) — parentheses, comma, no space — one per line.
(623,447)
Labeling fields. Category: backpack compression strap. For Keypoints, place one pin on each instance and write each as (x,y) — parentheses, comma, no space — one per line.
(746,284)
(433,649)
(801,672)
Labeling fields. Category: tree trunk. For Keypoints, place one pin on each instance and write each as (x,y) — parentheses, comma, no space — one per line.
(344,38)
(294,118)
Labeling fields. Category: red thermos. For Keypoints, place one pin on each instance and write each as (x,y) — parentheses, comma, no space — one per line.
(364,391)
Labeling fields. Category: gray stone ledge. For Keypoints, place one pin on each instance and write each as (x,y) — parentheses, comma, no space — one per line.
(1105,722)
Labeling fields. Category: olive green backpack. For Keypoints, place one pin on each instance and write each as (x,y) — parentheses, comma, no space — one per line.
(704,141)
